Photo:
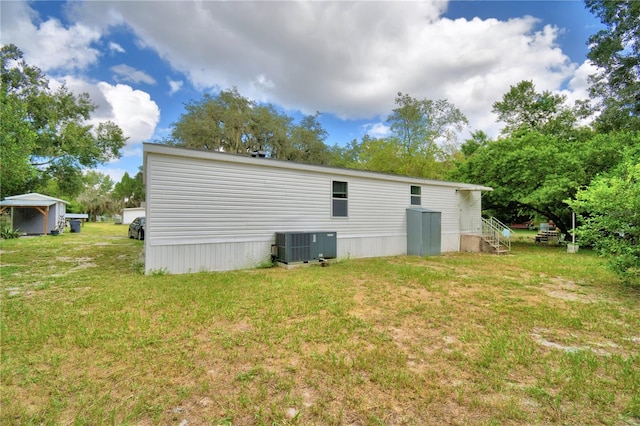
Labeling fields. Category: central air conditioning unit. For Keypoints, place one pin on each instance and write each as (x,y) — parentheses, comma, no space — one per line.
(305,246)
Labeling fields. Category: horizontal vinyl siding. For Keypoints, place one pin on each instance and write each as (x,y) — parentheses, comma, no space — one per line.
(192,200)
(195,200)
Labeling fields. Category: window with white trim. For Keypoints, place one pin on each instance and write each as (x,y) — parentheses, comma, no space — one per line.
(339,199)
(416,195)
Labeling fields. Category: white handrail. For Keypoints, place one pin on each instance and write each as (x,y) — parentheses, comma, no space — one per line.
(497,232)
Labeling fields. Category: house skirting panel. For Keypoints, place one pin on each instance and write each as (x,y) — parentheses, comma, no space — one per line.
(355,247)
(226,256)
(191,258)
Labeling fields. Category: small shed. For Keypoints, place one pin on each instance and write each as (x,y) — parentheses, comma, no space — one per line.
(423,232)
(129,215)
(35,214)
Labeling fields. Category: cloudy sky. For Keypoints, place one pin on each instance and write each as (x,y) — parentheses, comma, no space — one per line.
(140,61)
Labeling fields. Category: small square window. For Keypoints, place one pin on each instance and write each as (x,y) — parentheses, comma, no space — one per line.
(416,198)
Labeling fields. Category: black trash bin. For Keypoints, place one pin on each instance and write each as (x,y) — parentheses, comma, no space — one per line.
(75,225)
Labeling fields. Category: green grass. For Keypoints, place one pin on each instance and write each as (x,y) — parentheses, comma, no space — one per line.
(538,336)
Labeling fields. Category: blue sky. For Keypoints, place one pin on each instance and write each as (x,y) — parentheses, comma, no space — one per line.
(140,61)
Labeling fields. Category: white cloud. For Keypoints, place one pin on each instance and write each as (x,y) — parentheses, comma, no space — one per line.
(116,48)
(129,74)
(578,87)
(345,58)
(49,44)
(132,110)
(175,86)
(377,130)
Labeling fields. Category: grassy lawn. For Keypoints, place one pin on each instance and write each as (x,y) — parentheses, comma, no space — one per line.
(537,336)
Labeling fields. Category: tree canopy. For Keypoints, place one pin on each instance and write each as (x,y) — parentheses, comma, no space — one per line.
(129,192)
(96,198)
(542,159)
(616,50)
(230,122)
(423,140)
(609,209)
(45,135)
(522,108)
(534,174)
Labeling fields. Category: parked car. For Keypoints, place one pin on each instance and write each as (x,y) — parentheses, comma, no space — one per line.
(136,228)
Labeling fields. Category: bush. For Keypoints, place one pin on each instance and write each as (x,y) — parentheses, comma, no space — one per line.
(7,233)
(609,209)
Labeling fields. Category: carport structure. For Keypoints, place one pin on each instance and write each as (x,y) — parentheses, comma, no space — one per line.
(35,213)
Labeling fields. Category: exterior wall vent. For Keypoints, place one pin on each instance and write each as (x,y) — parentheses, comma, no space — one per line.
(305,246)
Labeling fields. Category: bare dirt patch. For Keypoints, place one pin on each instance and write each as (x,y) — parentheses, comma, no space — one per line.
(564,289)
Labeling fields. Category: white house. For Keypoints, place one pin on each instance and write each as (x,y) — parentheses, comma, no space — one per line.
(212,211)
(36,214)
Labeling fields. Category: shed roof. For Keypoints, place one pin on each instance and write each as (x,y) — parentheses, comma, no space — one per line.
(33,199)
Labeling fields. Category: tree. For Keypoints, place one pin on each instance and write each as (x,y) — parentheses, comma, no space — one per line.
(129,192)
(426,132)
(479,139)
(609,209)
(230,122)
(95,198)
(17,140)
(307,141)
(44,132)
(269,132)
(533,172)
(523,108)
(423,141)
(217,123)
(381,155)
(616,50)
(542,158)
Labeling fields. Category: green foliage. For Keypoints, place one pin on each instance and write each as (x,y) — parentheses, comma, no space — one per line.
(232,123)
(44,135)
(616,50)
(425,133)
(17,139)
(7,232)
(523,109)
(543,158)
(423,141)
(307,142)
(380,155)
(609,209)
(129,192)
(537,173)
(421,125)
(95,198)
(479,139)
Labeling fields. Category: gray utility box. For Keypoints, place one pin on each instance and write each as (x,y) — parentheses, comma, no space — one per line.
(423,232)
(305,246)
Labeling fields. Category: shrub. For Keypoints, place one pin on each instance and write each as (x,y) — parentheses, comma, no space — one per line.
(7,233)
